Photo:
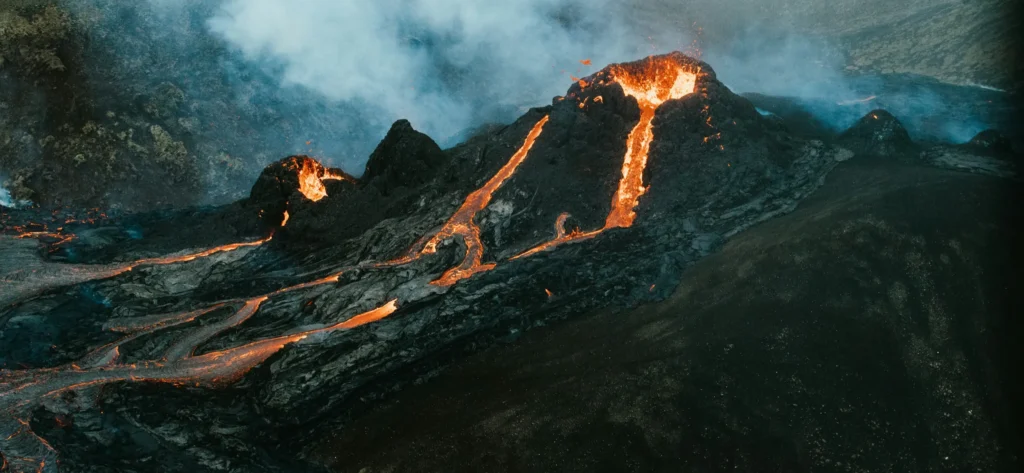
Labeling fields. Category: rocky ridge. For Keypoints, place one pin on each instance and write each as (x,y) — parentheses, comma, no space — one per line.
(715,168)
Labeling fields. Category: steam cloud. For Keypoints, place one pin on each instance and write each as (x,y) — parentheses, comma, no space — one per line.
(811,71)
(451,65)
(445,65)
(448,65)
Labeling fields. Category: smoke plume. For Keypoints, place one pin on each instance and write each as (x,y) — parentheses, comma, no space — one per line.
(445,65)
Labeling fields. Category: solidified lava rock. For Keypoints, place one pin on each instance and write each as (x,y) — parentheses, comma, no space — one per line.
(702,140)
(992,141)
(714,168)
(878,133)
(405,158)
(278,187)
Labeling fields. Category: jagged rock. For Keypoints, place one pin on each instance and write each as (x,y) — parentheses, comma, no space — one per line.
(715,168)
(989,152)
(969,159)
(405,158)
(992,141)
(877,133)
(278,188)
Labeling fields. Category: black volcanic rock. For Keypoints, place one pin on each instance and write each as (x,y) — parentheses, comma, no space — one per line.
(405,158)
(702,141)
(271,379)
(277,188)
(989,152)
(873,328)
(877,133)
(992,141)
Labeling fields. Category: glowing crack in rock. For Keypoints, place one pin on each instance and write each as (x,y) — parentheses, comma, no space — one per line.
(165,260)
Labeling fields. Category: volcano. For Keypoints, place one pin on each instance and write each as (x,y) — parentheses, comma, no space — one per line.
(648,214)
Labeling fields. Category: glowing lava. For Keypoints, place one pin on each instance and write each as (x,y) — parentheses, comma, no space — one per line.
(461,223)
(163,260)
(652,83)
(212,368)
(311,177)
(658,80)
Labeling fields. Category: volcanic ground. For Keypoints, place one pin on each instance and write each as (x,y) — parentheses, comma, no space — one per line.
(649,274)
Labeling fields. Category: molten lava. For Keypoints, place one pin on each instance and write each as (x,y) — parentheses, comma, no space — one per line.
(311,177)
(177,367)
(652,83)
(193,256)
(659,80)
(461,223)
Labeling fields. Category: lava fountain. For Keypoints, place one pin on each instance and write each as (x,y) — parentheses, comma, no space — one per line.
(312,175)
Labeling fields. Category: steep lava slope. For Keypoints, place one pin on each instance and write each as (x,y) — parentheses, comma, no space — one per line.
(236,353)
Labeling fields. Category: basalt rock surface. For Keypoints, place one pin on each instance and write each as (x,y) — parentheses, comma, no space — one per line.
(872,329)
(404,158)
(238,357)
(878,133)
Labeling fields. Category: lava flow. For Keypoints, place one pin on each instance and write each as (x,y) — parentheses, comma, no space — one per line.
(163,260)
(177,366)
(656,81)
(461,223)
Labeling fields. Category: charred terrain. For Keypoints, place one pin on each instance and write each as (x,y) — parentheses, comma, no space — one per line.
(650,274)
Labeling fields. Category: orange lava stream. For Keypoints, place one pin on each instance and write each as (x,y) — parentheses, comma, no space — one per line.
(185,347)
(150,323)
(461,223)
(212,368)
(164,260)
(560,237)
(656,82)
(660,81)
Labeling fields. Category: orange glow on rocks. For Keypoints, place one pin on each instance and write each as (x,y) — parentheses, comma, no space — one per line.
(217,367)
(461,223)
(651,82)
(311,177)
(193,256)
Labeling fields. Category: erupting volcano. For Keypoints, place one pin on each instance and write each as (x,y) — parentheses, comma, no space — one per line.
(337,294)
(652,82)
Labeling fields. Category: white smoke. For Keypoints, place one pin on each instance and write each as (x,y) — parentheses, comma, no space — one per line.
(443,64)
(5,197)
